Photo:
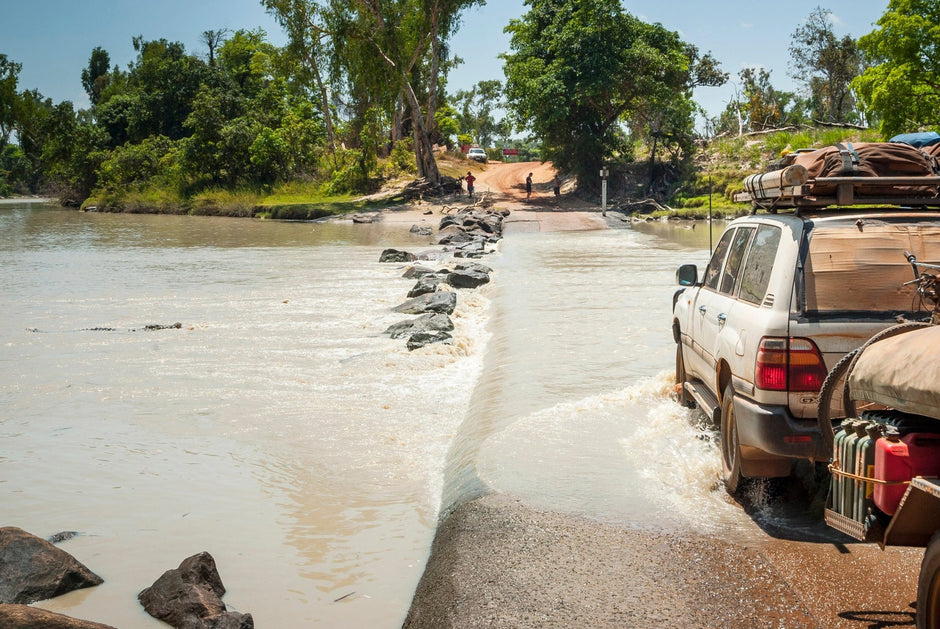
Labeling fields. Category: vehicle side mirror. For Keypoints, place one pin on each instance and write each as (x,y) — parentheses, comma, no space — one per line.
(687,275)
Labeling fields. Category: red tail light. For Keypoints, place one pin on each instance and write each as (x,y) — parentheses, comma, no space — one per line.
(793,364)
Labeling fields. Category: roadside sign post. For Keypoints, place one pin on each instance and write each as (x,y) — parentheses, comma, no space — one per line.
(604,173)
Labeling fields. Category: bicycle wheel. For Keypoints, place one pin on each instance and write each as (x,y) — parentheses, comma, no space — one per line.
(848,404)
(833,388)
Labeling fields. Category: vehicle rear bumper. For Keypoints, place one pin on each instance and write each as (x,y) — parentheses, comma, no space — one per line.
(772,429)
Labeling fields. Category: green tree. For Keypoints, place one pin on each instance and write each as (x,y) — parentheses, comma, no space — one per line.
(9,98)
(309,43)
(164,81)
(901,87)
(95,76)
(446,122)
(477,106)
(213,39)
(826,64)
(387,51)
(757,106)
(578,69)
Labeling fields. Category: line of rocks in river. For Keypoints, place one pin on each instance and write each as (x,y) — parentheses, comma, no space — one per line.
(469,233)
(34,569)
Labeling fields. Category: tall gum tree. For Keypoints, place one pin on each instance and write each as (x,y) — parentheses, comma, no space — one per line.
(579,70)
(389,50)
(826,64)
(308,41)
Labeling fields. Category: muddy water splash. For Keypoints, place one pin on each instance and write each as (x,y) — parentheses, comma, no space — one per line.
(574,410)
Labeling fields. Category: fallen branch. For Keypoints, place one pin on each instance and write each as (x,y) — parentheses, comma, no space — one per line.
(841,125)
(646,202)
(766,131)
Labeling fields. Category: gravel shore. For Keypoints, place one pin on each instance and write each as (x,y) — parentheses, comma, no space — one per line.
(496,562)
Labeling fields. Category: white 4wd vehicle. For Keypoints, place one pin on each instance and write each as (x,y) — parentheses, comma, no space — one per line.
(477,154)
(783,298)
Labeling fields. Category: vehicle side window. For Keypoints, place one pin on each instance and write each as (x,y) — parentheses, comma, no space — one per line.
(760,261)
(735,259)
(713,270)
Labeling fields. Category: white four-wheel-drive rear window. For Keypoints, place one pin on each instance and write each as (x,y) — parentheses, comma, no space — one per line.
(861,267)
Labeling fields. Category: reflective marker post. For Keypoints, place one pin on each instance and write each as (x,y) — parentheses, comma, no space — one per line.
(604,173)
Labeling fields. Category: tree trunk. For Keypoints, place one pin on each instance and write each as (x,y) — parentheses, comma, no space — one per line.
(325,102)
(435,65)
(652,163)
(398,120)
(424,152)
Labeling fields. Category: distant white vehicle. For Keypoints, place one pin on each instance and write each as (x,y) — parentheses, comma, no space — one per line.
(477,154)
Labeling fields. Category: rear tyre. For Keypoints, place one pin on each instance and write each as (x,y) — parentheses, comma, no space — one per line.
(730,448)
(928,587)
(681,378)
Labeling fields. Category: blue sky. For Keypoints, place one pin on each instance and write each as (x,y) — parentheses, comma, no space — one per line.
(53,39)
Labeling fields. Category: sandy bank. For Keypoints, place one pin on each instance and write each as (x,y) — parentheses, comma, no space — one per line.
(497,563)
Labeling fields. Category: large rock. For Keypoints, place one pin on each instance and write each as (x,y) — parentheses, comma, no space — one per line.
(428,322)
(32,569)
(426,338)
(417,270)
(26,617)
(470,250)
(424,285)
(441,301)
(472,266)
(190,597)
(396,255)
(455,237)
(467,278)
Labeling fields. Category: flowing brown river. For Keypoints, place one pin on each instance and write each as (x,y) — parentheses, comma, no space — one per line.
(281,431)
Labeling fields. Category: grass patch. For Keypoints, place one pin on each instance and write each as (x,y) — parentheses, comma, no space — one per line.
(149,200)
(304,201)
(221,202)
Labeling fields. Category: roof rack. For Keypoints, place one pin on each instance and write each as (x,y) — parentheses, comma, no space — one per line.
(782,189)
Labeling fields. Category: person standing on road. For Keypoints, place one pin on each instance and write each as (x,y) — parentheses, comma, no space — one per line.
(528,187)
(556,186)
(470,179)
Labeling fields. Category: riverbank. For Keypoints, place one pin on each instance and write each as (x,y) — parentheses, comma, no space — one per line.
(497,562)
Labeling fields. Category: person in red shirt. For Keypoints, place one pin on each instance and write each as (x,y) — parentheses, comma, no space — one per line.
(470,179)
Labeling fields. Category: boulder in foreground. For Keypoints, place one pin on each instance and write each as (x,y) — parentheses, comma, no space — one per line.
(26,617)
(190,597)
(32,569)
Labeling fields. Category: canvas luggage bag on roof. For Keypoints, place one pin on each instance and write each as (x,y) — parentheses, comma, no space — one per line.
(869,159)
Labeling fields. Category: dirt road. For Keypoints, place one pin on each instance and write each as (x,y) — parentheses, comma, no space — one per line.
(505,185)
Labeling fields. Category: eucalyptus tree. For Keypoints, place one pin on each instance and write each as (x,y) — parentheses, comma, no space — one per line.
(310,42)
(386,52)
(476,108)
(213,39)
(826,64)
(95,76)
(579,70)
(9,79)
(902,84)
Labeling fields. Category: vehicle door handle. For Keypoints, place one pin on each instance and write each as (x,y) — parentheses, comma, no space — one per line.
(702,309)
(721,318)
